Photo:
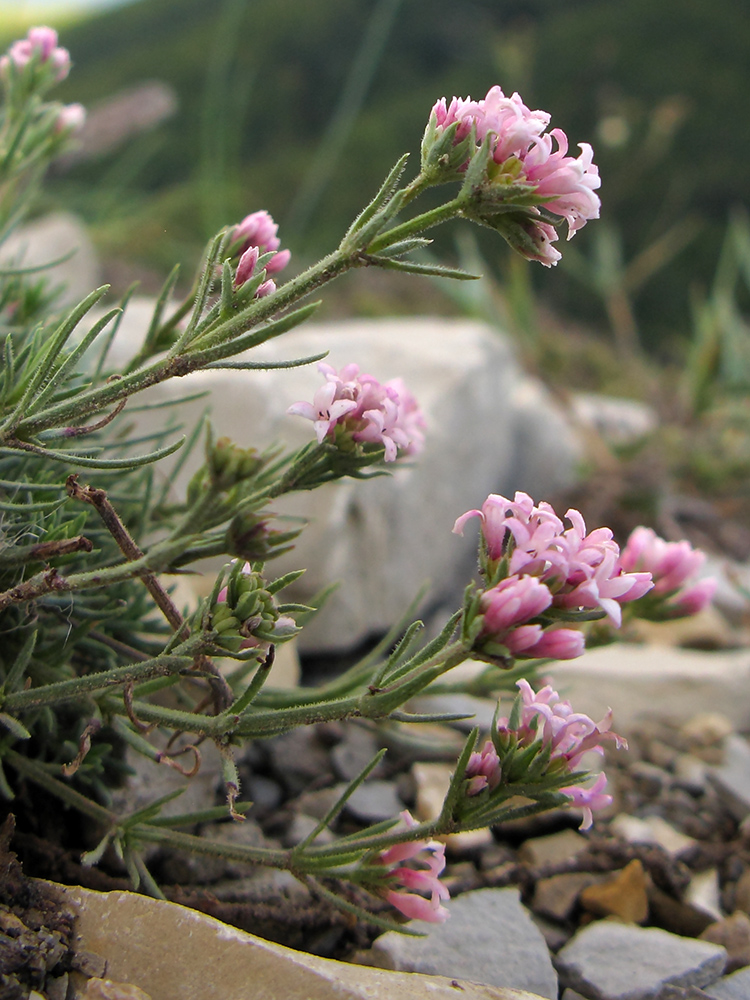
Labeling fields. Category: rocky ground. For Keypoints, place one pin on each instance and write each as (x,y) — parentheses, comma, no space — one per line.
(536,905)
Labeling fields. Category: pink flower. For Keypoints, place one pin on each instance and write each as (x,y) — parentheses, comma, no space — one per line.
(568,181)
(529,156)
(257,231)
(368,412)
(71,118)
(569,734)
(414,906)
(691,600)
(512,602)
(483,769)
(558,644)
(246,266)
(589,799)
(674,566)
(41,43)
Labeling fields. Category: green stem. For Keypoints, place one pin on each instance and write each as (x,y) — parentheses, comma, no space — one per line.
(37,773)
(78,687)
(417,225)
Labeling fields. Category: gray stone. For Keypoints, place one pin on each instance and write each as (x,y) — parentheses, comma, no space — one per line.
(490,428)
(611,961)
(490,938)
(375,801)
(734,987)
(352,755)
(732,778)
(618,421)
(298,757)
(48,239)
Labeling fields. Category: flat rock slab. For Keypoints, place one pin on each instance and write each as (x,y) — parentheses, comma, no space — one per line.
(734,987)
(639,682)
(490,938)
(173,953)
(611,961)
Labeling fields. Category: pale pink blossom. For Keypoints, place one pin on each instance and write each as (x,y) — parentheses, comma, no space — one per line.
(568,181)
(483,769)
(690,600)
(558,644)
(40,43)
(511,603)
(589,799)
(549,721)
(258,231)
(426,852)
(246,267)
(531,157)
(366,410)
(674,566)
(71,118)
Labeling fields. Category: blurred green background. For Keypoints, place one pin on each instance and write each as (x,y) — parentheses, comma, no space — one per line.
(301,107)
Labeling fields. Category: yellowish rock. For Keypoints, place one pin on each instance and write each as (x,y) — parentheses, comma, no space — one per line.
(173,953)
(432,781)
(106,989)
(625,896)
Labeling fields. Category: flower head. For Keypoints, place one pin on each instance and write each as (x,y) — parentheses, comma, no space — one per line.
(580,568)
(358,408)
(250,239)
(71,118)
(40,45)
(426,852)
(529,168)
(674,566)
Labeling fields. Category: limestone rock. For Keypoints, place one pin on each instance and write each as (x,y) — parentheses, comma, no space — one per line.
(639,682)
(490,429)
(624,896)
(734,987)
(490,938)
(432,781)
(49,238)
(173,953)
(618,421)
(599,962)
(703,893)
(651,830)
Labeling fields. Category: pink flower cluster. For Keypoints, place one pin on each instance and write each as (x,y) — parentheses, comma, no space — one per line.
(40,43)
(254,236)
(529,156)
(548,566)
(427,880)
(366,410)
(568,735)
(674,567)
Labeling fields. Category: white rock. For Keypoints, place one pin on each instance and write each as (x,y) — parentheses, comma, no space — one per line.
(490,429)
(48,239)
(704,893)
(640,682)
(618,421)
(652,830)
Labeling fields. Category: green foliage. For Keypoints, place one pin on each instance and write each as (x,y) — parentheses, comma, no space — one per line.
(665,133)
